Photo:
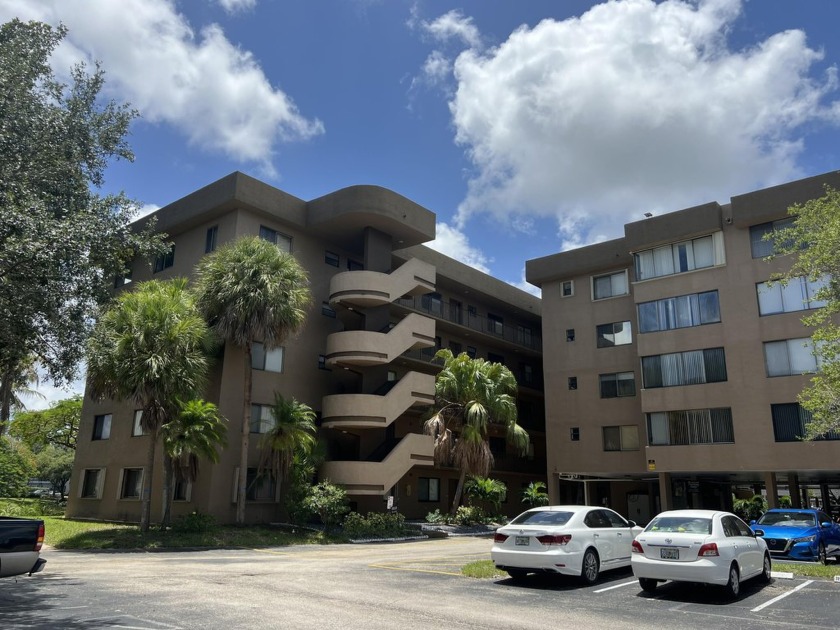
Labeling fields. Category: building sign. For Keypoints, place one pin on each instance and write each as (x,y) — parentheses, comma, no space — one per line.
(651,464)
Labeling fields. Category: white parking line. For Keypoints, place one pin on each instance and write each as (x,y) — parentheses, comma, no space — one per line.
(782,596)
(609,588)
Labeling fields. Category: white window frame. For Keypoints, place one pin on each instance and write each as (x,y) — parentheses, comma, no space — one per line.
(799,295)
(571,285)
(100,482)
(137,427)
(780,351)
(105,433)
(613,276)
(120,488)
(661,261)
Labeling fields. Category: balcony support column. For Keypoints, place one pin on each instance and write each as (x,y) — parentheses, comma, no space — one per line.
(666,497)
(771,489)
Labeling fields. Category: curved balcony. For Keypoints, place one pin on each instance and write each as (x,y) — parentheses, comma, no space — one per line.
(364,289)
(377,478)
(372,411)
(365,347)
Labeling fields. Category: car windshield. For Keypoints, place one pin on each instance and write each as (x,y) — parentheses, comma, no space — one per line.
(788,519)
(542,517)
(679,524)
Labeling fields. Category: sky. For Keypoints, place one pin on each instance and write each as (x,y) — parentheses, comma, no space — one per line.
(529,128)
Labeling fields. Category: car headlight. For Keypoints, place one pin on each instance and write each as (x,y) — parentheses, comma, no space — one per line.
(805,539)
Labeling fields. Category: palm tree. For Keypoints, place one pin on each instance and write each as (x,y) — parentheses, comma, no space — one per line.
(151,346)
(471,396)
(195,433)
(535,495)
(15,379)
(250,290)
(294,432)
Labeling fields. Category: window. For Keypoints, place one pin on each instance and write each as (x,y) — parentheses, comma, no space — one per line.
(471,352)
(132,480)
(137,427)
(455,347)
(570,334)
(391,376)
(684,368)
(523,335)
(761,248)
(210,241)
(609,285)
(698,253)
(165,261)
(283,241)
(260,488)
(798,295)
(262,420)
(694,426)
(428,489)
(618,385)
(683,311)
(182,491)
(327,310)
(526,373)
(102,427)
(268,360)
(332,259)
(495,324)
(432,303)
(495,358)
(573,382)
(790,356)
(498,446)
(623,438)
(567,288)
(615,334)
(354,265)
(574,434)
(790,420)
(322,362)
(455,311)
(92,482)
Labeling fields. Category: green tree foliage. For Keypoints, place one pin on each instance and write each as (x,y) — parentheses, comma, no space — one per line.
(251,291)
(535,494)
(300,481)
(472,397)
(55,464)
(813,244)
(56,426)
(294,431)
(151,347)
(61,242)
(16,468)
(195,433)
(15,381)
(328,501)
(483,492)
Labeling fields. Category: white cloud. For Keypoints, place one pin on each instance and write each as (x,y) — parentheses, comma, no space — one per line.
(211,91)
(235,6)
(634,106)
(145,210)
(453,25)
(455,244)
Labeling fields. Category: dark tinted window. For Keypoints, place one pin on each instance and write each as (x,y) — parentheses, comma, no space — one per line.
(542,517)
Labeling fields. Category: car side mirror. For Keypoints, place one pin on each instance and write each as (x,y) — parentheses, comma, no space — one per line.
(759,532)
(753,522)
(825,524)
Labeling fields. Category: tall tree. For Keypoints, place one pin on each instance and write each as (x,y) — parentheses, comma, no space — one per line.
(250,291)
(57,426)
(813,244)
(294,432)
(195,433)
(471,397)
(151,346)
(15,382)
(61,242)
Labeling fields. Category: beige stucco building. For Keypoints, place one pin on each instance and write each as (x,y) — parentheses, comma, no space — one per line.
(672,370)
(383,303)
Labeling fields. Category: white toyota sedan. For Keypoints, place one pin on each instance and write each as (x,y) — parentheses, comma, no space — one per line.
(567,539)
(699,546)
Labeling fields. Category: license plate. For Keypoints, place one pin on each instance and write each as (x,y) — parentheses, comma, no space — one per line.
(669,553)
(523,541)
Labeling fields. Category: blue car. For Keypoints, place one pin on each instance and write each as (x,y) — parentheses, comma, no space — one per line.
(799,534)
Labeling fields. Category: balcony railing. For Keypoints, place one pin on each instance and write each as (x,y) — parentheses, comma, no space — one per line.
(512,333)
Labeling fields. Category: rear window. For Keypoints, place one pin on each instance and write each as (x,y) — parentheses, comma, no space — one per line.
(788,519)
(542,518)
(680,524)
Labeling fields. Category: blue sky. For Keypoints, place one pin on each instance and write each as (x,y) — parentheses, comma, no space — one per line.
(527,127)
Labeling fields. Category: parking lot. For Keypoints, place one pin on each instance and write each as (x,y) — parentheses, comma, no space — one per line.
(409,585)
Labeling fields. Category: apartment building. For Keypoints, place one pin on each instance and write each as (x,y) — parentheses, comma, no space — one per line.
(672,369)
(383,304)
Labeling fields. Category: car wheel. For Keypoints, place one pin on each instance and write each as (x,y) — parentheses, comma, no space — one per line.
(648,585)
(517,575)
(589,569)
(821,558)
(766,572)
(733,586)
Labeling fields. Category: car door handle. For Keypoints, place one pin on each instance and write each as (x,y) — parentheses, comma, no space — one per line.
(596,535)
(619,533)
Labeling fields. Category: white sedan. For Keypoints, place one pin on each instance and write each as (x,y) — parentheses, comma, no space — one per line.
(568,539)
(699,546)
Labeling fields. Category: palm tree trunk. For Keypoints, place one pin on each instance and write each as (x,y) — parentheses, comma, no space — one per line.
(459,489)
(246,434)
(167,492)
(5,402)
(146,506)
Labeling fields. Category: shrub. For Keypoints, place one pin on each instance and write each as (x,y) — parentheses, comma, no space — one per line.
(484,491)
(194,522)
(436,517)
(375,525)
(750,509)
(328,501)
(534,495)
(469,515)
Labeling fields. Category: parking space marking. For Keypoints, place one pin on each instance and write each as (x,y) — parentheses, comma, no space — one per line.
(782,596)
(397,567)
(609,588)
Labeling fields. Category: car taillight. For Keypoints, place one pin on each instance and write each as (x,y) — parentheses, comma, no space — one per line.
(556,539)
(500,538)
(709,549)
(636,547)
(40,541)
